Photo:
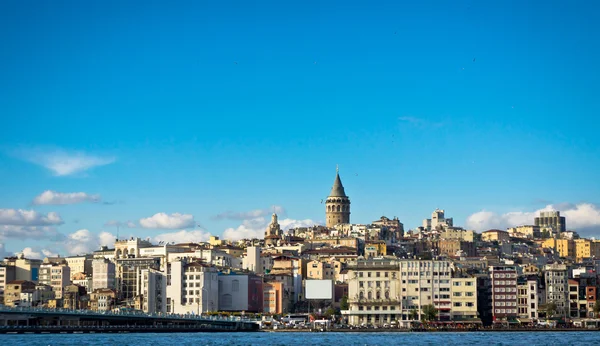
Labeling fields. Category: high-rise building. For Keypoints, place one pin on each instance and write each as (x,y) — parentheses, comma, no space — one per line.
(337,205)
(552,220)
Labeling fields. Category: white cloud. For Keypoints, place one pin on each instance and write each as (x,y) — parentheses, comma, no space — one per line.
(57,198)
(182,236)
(582,217)
(29,232)
(37,253)
(173,221)
(20,217)
(62,162)
(255,228)
(83,241)
(232,215)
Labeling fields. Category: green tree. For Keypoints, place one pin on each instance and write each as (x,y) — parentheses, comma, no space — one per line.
(551,309)
(413,314)
(545,234)
(596,309)
(344,303)
(330,312)
(429,312)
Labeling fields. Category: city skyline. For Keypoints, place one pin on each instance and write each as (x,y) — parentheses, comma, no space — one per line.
(187,120)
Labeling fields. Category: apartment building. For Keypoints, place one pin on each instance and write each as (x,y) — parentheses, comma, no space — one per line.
(557,287)
(504,292)
(57,275)
(464,299)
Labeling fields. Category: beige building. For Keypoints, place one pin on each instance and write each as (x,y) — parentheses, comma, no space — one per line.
(495,235)
(56,275)
(452,233)
(80,264)
(527,231)
(102,299)
(130,248)
(464,299)
(337,205)
(12,293)
(381,291)
(25,268)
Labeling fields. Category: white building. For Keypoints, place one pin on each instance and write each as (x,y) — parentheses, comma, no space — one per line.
(103,274)
(191,287)
(381,291)
(80,264)
(55,275)
(154,291)
(252,261)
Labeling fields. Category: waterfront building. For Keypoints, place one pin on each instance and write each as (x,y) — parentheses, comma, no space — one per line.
(557,287)
(337,205)
(530,296)
(380,291)
(464,299)
(192,287)
(273,298)
(504,292)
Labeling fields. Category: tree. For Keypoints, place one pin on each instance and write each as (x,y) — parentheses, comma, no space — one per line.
(596,309)
(344,303)
(413,314)
(429,312)
(545,234)
(551,309)
(330,312)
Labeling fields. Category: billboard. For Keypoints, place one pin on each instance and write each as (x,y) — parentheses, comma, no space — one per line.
(318,289)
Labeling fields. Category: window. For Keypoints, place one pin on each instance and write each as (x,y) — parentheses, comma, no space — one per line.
(456,283)
(457,304)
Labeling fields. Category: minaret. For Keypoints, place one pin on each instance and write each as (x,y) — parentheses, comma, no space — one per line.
(337,206)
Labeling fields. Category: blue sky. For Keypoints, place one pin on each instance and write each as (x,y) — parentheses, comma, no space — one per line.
(204,108)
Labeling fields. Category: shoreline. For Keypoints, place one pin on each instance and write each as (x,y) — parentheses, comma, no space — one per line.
(398,330)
